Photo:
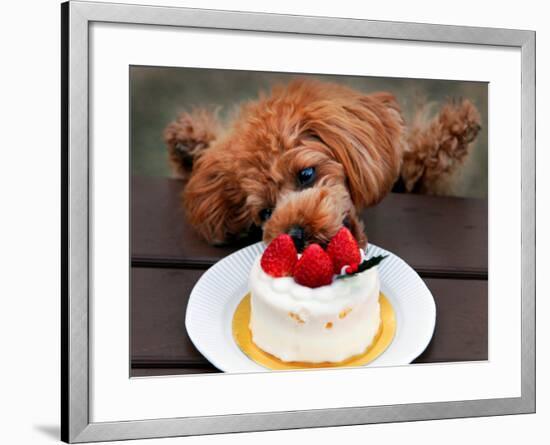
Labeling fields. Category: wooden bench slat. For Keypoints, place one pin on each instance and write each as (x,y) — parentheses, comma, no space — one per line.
(155,372)
(437,236)
(159,339)
(461,331)
(158,303)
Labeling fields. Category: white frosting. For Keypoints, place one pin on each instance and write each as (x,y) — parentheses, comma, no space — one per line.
(326,324)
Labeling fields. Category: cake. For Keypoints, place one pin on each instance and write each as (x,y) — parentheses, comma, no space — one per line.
(321,306)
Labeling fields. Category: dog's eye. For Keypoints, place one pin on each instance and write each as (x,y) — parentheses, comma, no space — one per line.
(265,214)
(306,177)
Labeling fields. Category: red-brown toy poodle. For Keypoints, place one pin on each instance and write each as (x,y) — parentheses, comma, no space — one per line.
(307,158)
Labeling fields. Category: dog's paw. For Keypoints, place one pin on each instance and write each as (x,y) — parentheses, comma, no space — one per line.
(437,147)
(460,123)
(187,137)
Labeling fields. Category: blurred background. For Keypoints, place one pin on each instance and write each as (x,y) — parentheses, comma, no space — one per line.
(158,94)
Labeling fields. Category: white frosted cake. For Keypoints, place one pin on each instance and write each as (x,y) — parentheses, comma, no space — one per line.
(329,323)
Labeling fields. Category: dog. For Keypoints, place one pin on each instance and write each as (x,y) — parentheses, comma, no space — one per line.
(306,158)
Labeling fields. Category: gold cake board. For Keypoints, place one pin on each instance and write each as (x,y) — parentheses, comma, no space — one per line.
(243,338)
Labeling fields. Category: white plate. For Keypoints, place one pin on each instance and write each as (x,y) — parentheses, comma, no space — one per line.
(218,292)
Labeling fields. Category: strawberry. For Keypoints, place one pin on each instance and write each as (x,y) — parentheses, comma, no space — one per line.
(314,268)
(343,249)
(280,257)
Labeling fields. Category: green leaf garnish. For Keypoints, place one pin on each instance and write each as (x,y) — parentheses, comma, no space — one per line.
(365,265)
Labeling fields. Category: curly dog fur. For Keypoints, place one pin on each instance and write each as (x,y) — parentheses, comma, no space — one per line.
(246,174)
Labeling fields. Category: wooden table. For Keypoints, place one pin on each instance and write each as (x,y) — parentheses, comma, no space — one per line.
(443,239)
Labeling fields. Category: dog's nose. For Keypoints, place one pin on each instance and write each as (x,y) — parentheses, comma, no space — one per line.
(347,222)
(297,233)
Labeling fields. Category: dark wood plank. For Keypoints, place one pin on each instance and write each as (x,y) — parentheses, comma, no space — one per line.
(159,231)
(435,235)
(439,237)
(461,331)
(159,340)
(158,303)
(155,372)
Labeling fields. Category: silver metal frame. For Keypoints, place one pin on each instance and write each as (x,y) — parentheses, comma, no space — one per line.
(76,18)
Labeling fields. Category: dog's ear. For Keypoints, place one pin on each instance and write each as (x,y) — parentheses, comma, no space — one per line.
(213,200)
(188,137)
(365,135)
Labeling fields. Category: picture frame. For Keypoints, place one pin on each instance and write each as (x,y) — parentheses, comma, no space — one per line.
(77,225)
